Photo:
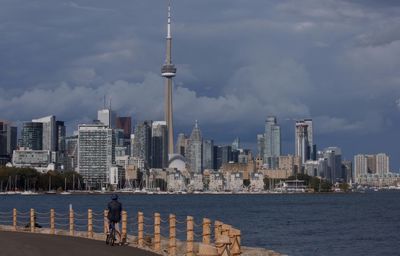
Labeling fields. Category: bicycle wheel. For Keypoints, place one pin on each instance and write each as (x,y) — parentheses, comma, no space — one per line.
(112,237)
(108,238)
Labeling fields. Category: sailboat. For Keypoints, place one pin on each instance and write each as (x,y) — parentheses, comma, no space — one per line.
(65,192)
(28,192)
(50,191)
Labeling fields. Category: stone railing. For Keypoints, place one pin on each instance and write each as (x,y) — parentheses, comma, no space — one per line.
(154,233)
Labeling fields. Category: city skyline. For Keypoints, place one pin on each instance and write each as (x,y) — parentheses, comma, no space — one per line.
(221,83)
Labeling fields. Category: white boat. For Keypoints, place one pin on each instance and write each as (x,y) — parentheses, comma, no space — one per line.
(29,193)
(65,193)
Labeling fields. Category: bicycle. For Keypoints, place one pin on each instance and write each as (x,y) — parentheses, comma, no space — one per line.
(110,239)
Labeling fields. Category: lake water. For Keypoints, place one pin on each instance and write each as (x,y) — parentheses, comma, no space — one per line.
(296,224)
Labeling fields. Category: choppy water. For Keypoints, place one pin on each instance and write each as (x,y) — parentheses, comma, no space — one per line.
(302,224)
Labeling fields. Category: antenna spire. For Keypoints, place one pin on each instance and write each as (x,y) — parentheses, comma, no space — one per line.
(169,21)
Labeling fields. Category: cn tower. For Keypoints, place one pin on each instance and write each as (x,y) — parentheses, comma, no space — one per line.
(168,71)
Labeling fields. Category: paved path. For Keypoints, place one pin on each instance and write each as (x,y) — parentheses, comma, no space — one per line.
(27,244)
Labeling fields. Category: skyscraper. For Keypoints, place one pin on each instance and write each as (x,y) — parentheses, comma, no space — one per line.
(8,141)
(107,117)
(159,145)
(272,140)
(195,151)
(125,123)
(333,155)
(208,154)
(302,146)
(168,71)
(260,145)
(49,135)
(142,142)
(31,135)
(382,164)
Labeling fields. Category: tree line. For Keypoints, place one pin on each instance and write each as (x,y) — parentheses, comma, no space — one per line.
(20,179)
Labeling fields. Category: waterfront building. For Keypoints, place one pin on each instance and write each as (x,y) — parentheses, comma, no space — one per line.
(360,166)
(40,160)
(142,142)
(8,141)
(195,153)
(159,145)
(175,180)
(246,168)
(234,181)
(272,140)
(276,173)
(216,182)
(124,123)
(382,164)
(31,135)
(257,182)
(208,154)
(182,144)
(178,162)
(96,154)
(260,146)
(168,71)
(196,182)
(49,132)
(107,117)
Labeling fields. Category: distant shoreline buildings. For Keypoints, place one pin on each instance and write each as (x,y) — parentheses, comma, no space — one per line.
(111,153)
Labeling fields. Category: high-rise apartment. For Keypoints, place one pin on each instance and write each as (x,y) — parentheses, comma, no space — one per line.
(260,145)
(96,154)
(272,140)
(195,152)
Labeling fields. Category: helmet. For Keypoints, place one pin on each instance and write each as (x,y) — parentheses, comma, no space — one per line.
(114,197)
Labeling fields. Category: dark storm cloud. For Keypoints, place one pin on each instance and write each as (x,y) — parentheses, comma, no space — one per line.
(238,61)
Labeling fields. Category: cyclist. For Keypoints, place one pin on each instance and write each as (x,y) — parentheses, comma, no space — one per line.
(114,214)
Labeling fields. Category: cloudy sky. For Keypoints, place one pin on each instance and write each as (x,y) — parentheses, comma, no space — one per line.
(238,61)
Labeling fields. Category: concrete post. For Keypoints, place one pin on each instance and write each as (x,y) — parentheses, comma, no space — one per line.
(157,232)
(217,229)
(15,219)
(52,222)
(105,229)
(189,236)
(32,220)
(206,231)
(71,222)
(124,216)
(234,236)
(140,229)
(90,223)
(172,235)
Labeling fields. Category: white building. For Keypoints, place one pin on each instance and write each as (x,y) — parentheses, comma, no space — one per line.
(382,164)
(175,180)
(216,182)
(37,159)
(257,181)
(96,154)
(234,181)
(107,117)
(196,182)
(49,135)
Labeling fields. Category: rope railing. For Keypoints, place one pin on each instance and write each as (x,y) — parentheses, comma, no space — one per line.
(212,239)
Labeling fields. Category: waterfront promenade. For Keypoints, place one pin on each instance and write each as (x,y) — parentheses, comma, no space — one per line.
(22,244)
